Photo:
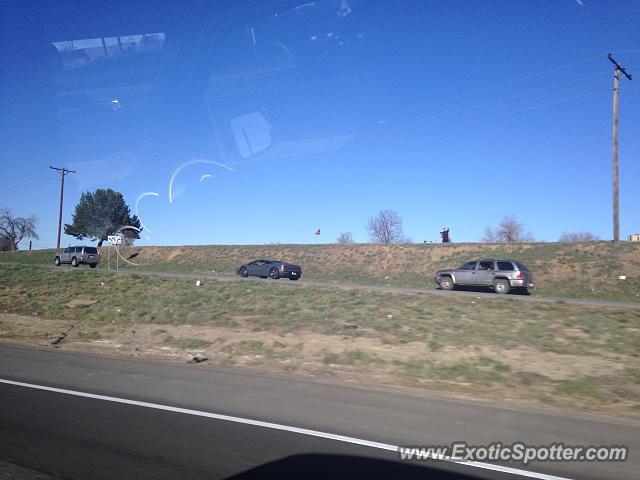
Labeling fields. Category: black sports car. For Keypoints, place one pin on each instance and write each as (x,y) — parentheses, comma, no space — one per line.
(270,268)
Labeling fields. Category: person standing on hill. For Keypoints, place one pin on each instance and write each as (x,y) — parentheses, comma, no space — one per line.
(444,234)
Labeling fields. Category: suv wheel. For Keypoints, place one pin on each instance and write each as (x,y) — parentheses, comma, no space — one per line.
(74,262)
(93,265)
(57,262)
(501,286)
(446,283)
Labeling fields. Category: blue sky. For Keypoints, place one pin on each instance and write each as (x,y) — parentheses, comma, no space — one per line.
(452,113)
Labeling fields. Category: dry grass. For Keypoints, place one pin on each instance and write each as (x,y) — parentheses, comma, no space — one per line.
(583,270)
(496,347)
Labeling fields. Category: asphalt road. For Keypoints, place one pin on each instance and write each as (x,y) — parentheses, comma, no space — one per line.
(62,435)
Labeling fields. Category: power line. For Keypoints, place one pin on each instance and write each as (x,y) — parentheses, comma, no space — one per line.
(554,86)
(533,107)
(478,113)
(521,104)
(63,173)
(22,189)
(495,86)
(25,185)
(392,113)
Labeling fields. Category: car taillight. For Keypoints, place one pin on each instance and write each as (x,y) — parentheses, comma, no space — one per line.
(284,267)
(520,276)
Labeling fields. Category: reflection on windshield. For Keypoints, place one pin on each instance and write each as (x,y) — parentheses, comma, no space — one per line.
(405,194)
(316,94)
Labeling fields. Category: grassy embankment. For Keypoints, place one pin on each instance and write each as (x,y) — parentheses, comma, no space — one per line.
(582,270)
(483,346)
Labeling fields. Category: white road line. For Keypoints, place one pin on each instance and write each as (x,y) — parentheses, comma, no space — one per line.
(274,426)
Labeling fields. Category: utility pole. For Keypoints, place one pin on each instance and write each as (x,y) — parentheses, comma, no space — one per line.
(617,70)
(63,173)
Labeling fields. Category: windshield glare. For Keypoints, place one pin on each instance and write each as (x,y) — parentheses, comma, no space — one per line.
(154,157)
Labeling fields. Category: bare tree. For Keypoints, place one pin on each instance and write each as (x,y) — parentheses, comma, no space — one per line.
(345,237)
(578,237)
(510,230)
(385,227)
(6,245)
(14,229)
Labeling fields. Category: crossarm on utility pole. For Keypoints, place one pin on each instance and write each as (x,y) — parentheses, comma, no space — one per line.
(612,60)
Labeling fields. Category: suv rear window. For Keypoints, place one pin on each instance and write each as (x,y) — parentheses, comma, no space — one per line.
(90,250)
(522,267)
(505,266)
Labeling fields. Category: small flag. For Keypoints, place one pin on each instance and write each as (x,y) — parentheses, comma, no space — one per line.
(318,232)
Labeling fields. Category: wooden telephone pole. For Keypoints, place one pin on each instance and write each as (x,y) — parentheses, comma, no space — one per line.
(63,172)
(617,70)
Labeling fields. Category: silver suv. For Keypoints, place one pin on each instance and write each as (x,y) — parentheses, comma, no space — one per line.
(501,275)
(77,256)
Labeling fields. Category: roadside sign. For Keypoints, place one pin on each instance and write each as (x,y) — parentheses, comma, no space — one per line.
(114,239)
